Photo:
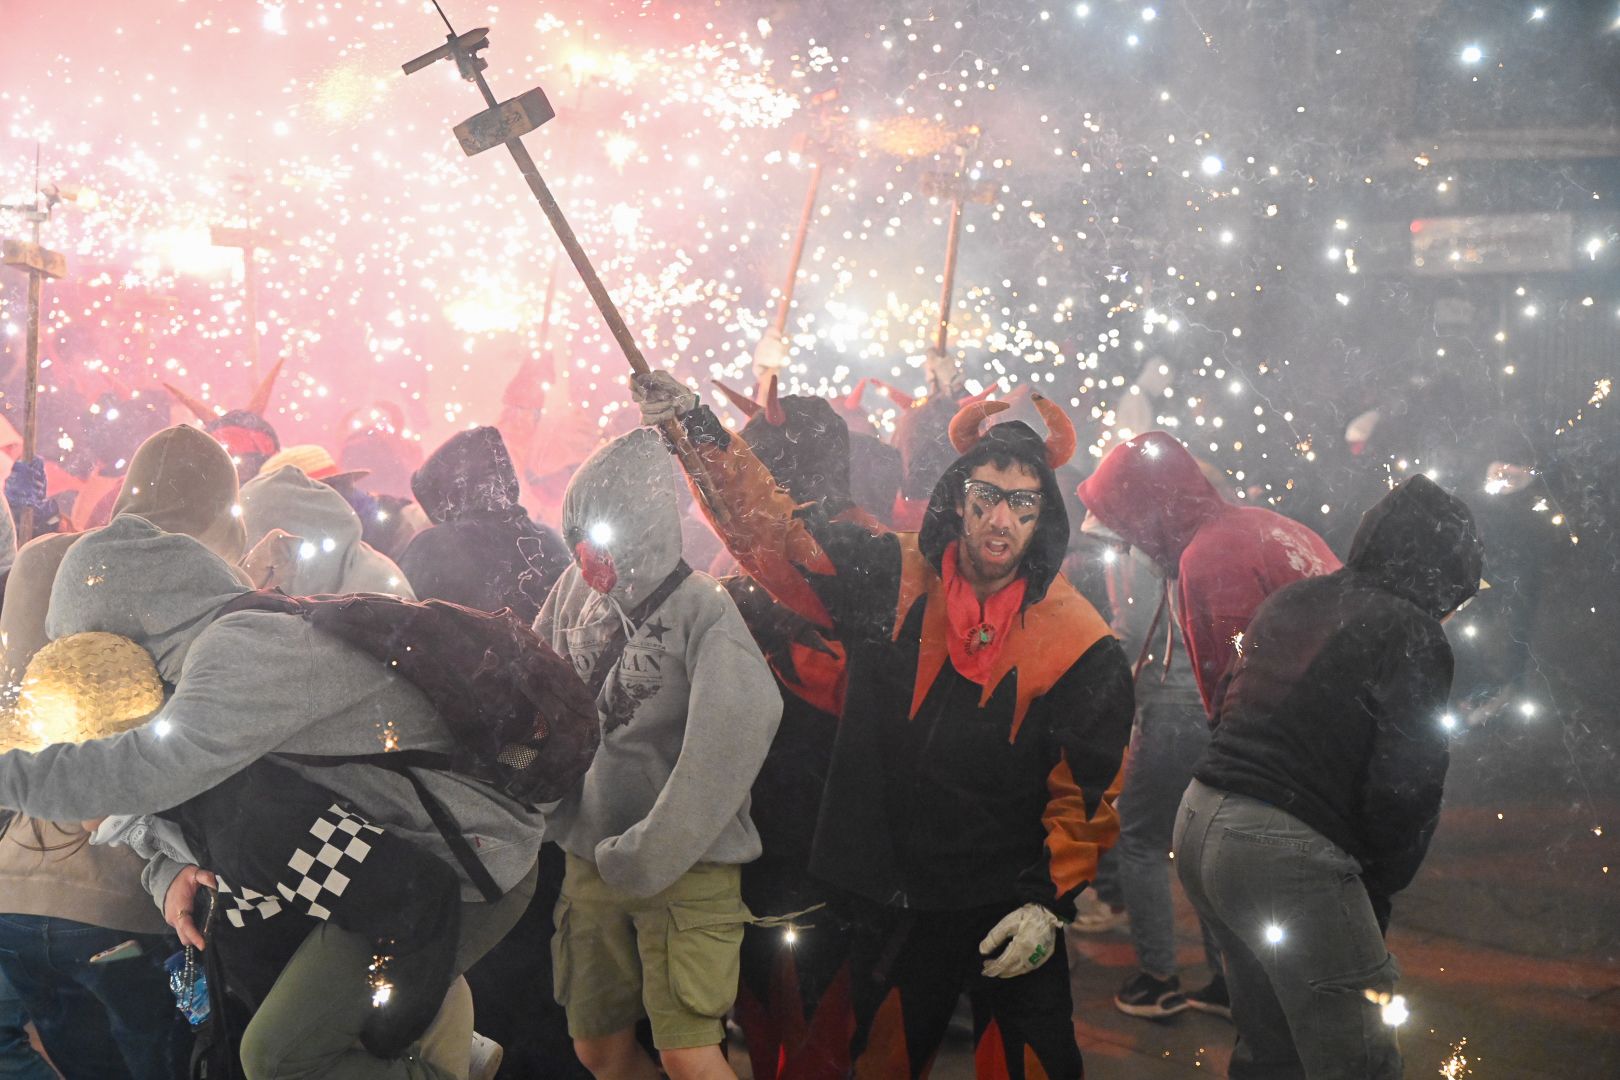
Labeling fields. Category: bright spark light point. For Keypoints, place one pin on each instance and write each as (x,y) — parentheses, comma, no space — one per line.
(1472,54)
(1395,1012)
(601,534)
(1274,934)
(1449,721)
(1212,165)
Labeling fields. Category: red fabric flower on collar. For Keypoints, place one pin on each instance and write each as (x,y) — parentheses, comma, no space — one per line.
(977,630)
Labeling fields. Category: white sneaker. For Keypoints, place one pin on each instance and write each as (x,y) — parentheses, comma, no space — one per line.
(486,1058)
(1092,916)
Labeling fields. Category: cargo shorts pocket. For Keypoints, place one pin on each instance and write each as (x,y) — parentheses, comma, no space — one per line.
(562,962)
(704,946)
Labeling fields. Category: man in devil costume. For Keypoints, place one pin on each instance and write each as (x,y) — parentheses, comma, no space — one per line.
(793,1003)
(985,717)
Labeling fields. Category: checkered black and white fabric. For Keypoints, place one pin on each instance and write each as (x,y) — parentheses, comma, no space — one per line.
(319,870)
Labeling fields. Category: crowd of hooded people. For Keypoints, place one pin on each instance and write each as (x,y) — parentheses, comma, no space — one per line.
(930,714)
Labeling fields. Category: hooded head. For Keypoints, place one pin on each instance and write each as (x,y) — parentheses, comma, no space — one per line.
(922,436)
(1419,542)
(621,517)
(1012,445)
(471,473)
(248,438)
(1152,494)
(315,513)
(807,452)
(131,578)
(183,481)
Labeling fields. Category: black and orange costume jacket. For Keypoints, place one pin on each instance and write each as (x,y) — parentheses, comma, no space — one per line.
(942,793)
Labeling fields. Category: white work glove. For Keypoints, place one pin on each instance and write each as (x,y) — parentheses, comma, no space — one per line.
(1030,934)
(770,357)
(661,396)
(945,375)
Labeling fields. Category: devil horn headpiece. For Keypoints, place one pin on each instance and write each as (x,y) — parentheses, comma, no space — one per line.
(257,404)
(896,395)
(261,397)
(967,424)
(203,412)
(852,403)
(745,404)
(774,415)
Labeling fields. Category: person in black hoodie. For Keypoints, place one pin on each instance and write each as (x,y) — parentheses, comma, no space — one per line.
(482,550)
(1316,799)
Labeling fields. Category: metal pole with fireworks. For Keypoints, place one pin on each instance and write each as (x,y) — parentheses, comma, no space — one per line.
(39,263)
(772,352)
(505,123)
(959,189)
(250,242)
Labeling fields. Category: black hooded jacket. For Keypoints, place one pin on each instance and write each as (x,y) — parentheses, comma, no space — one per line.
(482,550)
(1333,711)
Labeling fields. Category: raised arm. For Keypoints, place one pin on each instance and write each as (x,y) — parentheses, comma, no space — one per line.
(830,573)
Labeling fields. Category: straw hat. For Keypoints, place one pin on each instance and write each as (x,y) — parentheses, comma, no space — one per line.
(85,686)
(315,462)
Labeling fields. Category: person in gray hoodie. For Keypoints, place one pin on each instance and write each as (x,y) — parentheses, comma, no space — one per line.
(248,685)
(651,915)
(318,548)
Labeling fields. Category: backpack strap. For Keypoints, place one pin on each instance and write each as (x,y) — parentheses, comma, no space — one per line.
(614,650)
(404,763)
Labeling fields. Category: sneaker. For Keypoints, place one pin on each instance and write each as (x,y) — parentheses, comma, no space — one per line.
(1212,999)
(486,1058)
(1093,916)
(1143,995)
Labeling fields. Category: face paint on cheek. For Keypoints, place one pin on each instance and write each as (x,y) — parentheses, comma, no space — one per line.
(1026,519)
(978,511)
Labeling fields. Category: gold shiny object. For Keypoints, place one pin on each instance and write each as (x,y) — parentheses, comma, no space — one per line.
(86,686)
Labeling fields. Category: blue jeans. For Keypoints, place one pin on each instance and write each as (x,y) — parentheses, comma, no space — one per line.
(96,1021)
(1301,942)
(1165,744)
(18,1060)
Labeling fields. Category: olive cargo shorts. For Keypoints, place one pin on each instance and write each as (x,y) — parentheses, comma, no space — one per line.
(672,957)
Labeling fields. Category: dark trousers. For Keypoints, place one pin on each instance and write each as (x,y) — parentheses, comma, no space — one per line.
(512,992)
(97,1021)
(908,969)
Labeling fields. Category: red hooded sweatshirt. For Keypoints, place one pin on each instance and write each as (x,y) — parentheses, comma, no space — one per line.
(1225,559)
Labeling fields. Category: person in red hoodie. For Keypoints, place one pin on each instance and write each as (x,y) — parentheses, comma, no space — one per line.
(1218,561)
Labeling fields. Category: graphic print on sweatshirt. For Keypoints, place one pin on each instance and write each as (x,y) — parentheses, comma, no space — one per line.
(638,676)
(1301,559)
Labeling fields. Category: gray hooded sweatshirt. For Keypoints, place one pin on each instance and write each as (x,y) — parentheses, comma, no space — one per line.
(246,685)
(691,709)
(333,558)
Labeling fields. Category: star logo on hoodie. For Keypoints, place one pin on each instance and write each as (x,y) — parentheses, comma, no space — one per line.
(657,630)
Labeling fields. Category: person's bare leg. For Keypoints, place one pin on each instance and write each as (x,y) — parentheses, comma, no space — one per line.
(616,1057)
(697,1063)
